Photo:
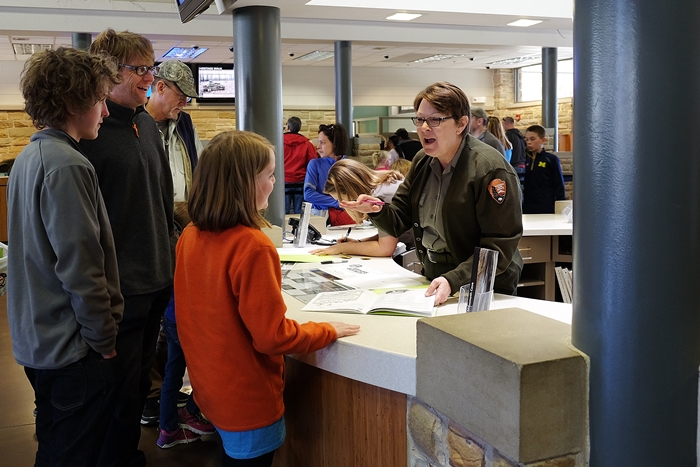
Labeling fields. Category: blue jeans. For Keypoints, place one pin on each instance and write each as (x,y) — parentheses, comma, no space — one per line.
(172,382)
(136,347)
(293,197)
(74,406)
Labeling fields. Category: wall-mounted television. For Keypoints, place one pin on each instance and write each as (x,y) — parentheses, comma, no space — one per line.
(188,9)
(215,83)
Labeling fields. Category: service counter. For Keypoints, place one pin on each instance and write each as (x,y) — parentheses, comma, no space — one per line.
(362,400)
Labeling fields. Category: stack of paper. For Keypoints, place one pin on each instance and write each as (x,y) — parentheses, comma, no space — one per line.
(565,280)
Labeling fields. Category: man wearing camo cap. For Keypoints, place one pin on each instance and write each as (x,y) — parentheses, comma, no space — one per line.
(172,89)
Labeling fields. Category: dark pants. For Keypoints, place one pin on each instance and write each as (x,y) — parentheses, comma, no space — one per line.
(136,347)
(263,461)
(174,371)
(74,405)
(293,197)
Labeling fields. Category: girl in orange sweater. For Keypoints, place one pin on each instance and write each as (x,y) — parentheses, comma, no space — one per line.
(228,300)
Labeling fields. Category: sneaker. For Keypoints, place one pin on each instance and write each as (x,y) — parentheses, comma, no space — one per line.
(151,412)
(168,439)
(195,423)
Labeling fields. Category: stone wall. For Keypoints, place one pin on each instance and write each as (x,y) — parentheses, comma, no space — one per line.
(16,127)
(436,441)
(530,113)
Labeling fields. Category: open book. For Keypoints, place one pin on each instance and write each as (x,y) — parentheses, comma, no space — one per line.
(408,302)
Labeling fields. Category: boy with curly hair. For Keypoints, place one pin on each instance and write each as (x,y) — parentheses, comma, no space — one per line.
(64,302)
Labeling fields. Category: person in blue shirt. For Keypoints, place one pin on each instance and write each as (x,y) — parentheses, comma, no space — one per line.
(544,181)
(333,144)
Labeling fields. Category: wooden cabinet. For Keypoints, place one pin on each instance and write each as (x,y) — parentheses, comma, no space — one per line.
(539,256)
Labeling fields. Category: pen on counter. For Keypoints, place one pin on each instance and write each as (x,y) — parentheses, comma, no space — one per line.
(335,261)
(348,233)
(377,203)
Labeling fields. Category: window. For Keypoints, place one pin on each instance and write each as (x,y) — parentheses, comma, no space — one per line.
(528,83)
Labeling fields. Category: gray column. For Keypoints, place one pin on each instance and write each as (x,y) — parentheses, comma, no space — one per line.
(550,104)
(637,228)
(343,85)
(81,40)
(258,73)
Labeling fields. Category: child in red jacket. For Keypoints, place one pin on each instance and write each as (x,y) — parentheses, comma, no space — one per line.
(228,300)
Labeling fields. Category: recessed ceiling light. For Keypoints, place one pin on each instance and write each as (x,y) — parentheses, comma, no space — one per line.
(403,16)
(437,58)
(315,56)
(185,52)
(524,23)
(28,49)
(517,8)
(516,60)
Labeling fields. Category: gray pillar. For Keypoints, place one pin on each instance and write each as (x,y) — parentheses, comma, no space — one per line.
(258,73)
(343,85)
(637,228)
(550,104)
(81,40)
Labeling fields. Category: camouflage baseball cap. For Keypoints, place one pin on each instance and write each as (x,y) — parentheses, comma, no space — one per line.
(178,73)
(478,112)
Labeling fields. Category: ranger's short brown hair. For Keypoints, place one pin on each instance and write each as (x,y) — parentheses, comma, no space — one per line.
(55,82)
(446,98)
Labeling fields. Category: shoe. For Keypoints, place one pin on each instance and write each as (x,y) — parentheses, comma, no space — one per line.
(168,439)
(182,398)
(137,459)
(195,423)
(151,412)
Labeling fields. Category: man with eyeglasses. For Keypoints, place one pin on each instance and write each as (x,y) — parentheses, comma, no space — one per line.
(134,177)
(171,90)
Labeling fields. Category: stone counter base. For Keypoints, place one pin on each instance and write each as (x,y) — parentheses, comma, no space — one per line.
(436,441)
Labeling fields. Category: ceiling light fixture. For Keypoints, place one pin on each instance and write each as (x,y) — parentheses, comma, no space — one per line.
(437,58)
(28,49)
(403,16)
(315,56)
(516,60)
(524,23)
(517,8)
(185,52)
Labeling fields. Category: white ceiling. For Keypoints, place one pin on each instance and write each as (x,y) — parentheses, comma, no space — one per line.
(482,38)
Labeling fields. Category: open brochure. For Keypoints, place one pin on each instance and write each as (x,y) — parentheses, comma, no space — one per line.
(408,302)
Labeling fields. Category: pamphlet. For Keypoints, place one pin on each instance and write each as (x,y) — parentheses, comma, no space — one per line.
(406,302)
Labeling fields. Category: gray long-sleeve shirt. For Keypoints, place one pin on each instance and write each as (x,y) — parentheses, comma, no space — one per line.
(63,281)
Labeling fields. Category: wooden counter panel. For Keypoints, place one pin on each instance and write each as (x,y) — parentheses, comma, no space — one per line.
(334,421)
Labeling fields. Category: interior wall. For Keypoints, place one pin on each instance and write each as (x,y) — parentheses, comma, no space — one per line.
(315,86)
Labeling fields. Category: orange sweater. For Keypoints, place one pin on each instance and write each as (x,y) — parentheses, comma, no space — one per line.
(232,325)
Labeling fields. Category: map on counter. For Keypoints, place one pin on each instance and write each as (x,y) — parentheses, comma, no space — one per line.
(305,284)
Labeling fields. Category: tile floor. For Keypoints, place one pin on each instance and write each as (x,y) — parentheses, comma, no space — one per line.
(18,443)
